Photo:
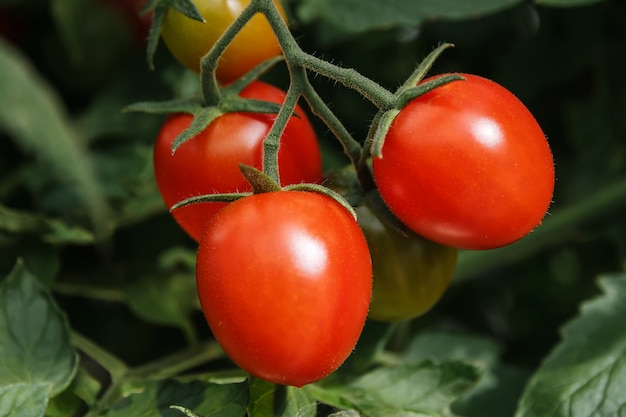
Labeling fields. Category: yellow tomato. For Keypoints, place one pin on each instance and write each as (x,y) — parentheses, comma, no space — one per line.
(189,40)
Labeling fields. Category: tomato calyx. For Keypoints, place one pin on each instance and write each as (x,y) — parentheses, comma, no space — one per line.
(186,7)
(258,180)
(203,115)
(262,183)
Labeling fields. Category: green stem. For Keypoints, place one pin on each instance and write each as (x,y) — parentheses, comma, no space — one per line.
(556,229)
(271,143)
(178,362)
(210,87)
(86,291)
(295,56)
(318,106)
(382,98)
(115,367)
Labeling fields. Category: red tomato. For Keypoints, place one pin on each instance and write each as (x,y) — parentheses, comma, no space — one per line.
(209,163)
(466,165)
(285,280)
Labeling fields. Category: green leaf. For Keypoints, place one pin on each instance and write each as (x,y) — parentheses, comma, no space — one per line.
(345,413)
(86,387)
(202,398)
(38,124)
(128,182)
(183,105)
(53,231)
(566,3)
(267,399)
(585,375)
(145,298)
(37,359)
(423,389)
(23,400)
(83,391)
(358,16)
(186,7)
(500,386)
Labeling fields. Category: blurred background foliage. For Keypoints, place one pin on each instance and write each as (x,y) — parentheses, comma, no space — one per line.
(79,204)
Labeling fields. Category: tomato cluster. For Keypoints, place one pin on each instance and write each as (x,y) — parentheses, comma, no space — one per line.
(287,276)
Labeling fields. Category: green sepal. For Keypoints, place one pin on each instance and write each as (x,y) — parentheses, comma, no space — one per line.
(403,97)
(155,32)
(384,123)
(187,105)
(186,7)
(424,66)
(210,198)
(320,189)
(201,119)
(260,182)
(249,105)
(406,95)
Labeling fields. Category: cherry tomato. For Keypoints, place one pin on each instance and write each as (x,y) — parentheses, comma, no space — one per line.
(466,165)
(209,163)
(189,40)
(284,280)
(410,273)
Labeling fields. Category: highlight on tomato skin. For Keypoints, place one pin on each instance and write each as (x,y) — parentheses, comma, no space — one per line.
(467,165)
(284,280)
(209,163)
(189,40)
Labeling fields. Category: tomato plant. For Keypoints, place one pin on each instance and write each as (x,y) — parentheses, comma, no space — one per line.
(466,165)
(209,163)
(410,273)
(190,40)
(284,280)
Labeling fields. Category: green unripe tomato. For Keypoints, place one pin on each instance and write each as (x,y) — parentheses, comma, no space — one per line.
(410,273)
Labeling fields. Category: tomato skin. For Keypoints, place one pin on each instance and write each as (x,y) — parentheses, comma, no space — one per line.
(410,273)
(209,162)
(466,165)
(190,40)
(284,280)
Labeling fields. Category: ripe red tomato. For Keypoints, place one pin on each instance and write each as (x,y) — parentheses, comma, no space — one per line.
(209,163)
(190,40)
(410,273)
(466,165)
(284,280)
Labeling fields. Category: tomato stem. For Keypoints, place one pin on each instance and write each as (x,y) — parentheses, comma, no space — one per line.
(296,57)
(210,87)
(271,143)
